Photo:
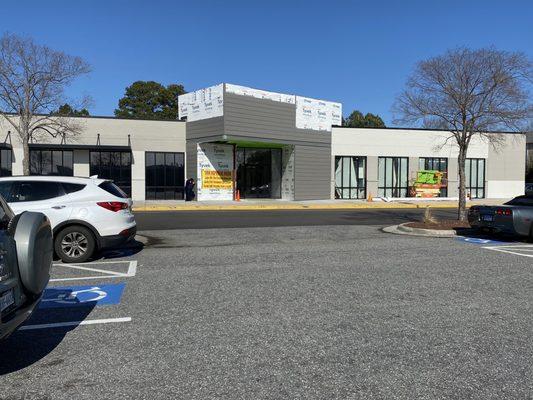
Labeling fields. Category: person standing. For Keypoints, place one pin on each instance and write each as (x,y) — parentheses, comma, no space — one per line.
(189,189)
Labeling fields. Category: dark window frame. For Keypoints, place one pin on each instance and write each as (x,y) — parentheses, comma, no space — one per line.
(468,184)
(350,188)
(6,153)
(427,160)
(110,171)
(39,171)
(393,190)
(178,188)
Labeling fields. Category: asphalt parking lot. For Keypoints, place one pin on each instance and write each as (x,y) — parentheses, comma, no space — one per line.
(309,312)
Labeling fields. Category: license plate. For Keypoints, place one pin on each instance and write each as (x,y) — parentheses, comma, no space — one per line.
(6,300)
(487,218)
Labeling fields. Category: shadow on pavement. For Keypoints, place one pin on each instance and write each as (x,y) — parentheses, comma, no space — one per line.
(127,250)
(26,347)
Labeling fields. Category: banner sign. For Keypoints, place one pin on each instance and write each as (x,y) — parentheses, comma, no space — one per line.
(215,171)
(318,115)
(202,104)
(260,94)
(217,179)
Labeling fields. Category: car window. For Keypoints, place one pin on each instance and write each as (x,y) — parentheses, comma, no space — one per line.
(110,187)
(6,214)
(72,187)
(5,190)
(36,191)
(526,201)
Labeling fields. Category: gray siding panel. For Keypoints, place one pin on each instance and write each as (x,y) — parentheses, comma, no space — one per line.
(205,128)
(247,117)
(312,170)
(191,160)
(259,120)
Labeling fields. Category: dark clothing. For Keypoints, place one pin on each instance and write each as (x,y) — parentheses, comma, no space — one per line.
(189,190)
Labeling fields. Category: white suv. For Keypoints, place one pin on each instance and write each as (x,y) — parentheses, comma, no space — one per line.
(86,214)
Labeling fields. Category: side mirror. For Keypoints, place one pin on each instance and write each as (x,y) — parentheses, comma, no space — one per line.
(33,237)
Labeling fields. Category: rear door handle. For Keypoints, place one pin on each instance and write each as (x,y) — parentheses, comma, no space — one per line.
(58,207)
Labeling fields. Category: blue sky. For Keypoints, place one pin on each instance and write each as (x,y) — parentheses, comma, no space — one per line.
(358,53)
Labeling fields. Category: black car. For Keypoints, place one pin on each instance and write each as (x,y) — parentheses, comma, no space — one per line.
(26,251)
(514,217)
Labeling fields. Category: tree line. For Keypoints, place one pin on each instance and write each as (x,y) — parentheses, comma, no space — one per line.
(153,100)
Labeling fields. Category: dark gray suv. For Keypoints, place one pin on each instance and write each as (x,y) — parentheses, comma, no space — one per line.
(26,252)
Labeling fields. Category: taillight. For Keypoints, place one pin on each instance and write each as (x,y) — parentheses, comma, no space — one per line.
(113,205)
(504,211)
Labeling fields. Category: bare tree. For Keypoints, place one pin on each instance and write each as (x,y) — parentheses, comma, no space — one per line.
(468,93)
(32,83)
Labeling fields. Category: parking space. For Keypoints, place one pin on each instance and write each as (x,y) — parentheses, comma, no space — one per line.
(507,245)
(77,291)
(334,312)
(62,272)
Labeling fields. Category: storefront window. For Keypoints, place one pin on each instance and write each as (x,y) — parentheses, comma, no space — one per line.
(475,177)
(393,180)
(259,172)
(114,165)
(6,162)
(165,176)
(350,177)
(436,164)
(51,162)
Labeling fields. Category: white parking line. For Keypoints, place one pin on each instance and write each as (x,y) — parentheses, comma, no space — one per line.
(132,270)
(74,323)
(509,249)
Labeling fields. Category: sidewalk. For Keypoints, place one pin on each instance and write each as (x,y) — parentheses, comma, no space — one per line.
(268,204)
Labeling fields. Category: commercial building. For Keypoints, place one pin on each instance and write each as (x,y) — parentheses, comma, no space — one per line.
(260,144)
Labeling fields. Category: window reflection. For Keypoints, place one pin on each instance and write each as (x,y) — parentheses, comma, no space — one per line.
(350,177)
(114,165)
(51,162)
(165,176)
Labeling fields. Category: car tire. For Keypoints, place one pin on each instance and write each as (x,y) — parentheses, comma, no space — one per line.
(74,243)
(530,237)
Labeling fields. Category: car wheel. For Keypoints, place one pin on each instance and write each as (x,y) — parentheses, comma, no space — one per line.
(530,237)
(74,244)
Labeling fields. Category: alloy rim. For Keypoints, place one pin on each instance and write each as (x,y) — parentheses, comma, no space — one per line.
(74,244)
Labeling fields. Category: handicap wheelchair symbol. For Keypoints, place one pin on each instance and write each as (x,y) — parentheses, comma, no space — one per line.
(55,297)
(79,296)
(475,240)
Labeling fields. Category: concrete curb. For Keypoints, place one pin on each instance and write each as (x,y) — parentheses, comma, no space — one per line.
(266,207)
(402,229)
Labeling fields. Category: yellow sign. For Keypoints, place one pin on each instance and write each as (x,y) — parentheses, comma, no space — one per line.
(212,179)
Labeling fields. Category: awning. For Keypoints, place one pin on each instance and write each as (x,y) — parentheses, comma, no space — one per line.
(90,147)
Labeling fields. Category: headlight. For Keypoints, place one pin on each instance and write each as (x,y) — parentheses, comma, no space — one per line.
(5,271)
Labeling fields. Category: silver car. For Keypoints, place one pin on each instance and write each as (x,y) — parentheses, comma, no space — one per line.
(26,252)
(514,217)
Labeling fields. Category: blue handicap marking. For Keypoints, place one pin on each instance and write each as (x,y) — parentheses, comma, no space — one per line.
(75,296)
(478,240)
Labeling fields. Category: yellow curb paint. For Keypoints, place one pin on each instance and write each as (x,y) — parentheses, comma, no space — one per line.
(255,207)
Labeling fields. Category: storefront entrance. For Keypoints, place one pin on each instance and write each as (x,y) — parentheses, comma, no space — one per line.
(258,172)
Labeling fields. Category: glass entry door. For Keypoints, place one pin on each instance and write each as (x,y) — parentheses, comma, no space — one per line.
(258,172)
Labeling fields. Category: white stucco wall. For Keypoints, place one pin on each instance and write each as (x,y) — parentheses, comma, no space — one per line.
(505,164)
(399,143)
(165,136)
